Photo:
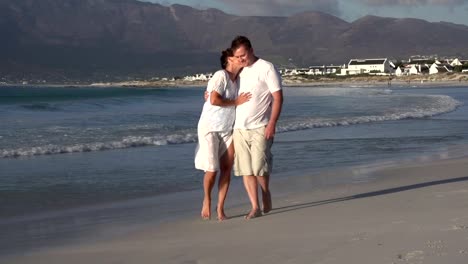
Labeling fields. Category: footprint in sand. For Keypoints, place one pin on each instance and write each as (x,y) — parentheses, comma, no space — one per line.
(438,247)
(459,227)
(436,244)
(414,257)
(359,237)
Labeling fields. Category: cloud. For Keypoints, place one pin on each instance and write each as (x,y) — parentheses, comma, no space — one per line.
(448,3)
(280,7)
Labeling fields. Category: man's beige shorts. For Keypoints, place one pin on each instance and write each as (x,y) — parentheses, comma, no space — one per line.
(253,152)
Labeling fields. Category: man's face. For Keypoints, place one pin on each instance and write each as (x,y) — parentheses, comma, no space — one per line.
(244,56)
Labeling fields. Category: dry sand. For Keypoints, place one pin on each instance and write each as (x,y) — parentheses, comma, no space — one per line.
(448,79)
(411,214)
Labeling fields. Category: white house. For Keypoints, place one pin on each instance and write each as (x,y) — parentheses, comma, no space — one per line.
(312,70)
(439,68)
(323,70)
(456,62)
(417,69)
(300,71)
(399,71)
(414,70)
(199,77)
(359,66)
(406,69)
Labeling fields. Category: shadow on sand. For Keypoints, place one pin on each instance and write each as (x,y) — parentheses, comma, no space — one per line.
(288,208)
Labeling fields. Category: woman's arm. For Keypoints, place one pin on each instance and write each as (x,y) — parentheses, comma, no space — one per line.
(217,99)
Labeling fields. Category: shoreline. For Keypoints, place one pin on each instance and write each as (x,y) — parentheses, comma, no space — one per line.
(312,224)
(408,212)
(294,81)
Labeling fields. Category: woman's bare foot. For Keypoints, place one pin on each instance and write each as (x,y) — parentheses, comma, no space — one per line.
(206,210)
(253,214)
(267,205)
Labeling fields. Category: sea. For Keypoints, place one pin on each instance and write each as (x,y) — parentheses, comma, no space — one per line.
(76,159)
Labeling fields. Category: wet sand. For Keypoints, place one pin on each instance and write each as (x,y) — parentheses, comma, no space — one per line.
(413,213)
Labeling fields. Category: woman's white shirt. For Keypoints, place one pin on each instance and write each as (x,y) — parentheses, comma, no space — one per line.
(219,118)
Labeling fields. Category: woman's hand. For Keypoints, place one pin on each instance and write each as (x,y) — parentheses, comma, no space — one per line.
(243,98)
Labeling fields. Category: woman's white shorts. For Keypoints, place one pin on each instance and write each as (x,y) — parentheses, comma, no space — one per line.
(211,146)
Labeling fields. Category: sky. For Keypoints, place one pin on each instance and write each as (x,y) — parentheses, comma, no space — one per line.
(455,11)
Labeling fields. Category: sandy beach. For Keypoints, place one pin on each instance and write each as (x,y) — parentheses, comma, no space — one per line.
(292,81)
(414,213)
(450,79)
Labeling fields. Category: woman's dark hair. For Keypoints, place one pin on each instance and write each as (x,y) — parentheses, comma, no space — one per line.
(240,41)
(225,54)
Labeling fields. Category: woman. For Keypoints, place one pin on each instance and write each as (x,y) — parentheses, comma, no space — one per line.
(215,151)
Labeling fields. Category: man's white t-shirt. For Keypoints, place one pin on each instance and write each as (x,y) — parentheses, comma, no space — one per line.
(261,79)
(216,118)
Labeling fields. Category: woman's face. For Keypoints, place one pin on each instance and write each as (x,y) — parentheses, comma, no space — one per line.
(234,62)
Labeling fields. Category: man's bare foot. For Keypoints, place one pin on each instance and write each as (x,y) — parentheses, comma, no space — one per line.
(221,215)
(253,214)
(267,205)
(206,210)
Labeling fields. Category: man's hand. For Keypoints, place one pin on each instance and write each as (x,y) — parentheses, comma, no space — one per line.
(270,130)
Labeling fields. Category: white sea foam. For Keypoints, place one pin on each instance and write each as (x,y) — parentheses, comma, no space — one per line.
(127,142)
(341,91)
(437,104)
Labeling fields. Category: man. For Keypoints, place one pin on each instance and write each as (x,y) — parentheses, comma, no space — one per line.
(255,125)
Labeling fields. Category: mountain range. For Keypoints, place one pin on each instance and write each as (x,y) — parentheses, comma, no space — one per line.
(98,38)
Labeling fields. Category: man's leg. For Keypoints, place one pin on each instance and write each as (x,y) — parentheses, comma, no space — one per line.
(208,183)
(251,186)
(262,164)
(264,182)
(243,166)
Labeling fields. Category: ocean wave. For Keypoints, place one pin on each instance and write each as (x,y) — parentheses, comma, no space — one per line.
(436,105)
(340,91)
(433,105)
(127,142)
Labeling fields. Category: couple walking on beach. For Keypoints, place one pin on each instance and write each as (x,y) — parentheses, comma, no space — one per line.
(237,126)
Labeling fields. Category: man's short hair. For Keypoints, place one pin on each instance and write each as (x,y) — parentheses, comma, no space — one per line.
(240,41)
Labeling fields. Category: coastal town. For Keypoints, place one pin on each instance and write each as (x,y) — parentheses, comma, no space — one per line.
(373,66)
(416,68)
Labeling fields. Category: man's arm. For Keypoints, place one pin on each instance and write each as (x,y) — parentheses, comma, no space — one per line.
(276,107)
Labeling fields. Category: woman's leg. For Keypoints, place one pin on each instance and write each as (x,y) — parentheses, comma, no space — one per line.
(208,183)
(226,163)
